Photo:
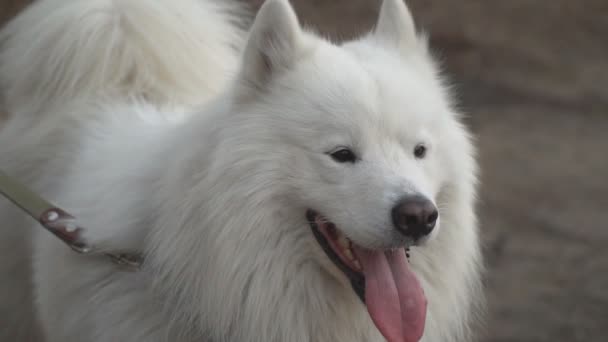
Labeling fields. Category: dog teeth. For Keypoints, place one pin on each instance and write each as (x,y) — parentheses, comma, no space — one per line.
(349,254)
(343,242)
(351,257)
(345,246)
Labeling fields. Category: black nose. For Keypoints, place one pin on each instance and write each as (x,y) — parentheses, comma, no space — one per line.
(415,216)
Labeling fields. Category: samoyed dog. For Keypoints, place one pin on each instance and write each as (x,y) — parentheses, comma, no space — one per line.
(278,186)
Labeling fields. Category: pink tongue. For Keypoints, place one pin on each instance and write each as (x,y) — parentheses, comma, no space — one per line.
(394,298)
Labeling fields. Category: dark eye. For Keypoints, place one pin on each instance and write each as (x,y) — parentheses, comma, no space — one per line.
(420,151)
(344,155)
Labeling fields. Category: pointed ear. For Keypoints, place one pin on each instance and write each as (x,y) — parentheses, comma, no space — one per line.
(395,25)
(273,43)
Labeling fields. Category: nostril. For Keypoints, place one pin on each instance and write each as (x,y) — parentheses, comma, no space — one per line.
(432,218)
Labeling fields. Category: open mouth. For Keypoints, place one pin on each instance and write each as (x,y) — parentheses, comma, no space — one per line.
(382,279)
(339,249)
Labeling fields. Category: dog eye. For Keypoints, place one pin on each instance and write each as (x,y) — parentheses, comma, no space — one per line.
(420,151)
(344,155)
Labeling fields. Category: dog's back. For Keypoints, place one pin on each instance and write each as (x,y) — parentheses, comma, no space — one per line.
(58,52)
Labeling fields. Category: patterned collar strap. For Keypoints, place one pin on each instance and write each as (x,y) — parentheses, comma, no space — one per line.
(57,221)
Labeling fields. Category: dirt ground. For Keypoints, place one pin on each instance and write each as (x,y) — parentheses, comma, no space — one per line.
(533,77)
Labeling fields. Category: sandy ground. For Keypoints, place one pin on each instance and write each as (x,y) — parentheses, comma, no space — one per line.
(533,77)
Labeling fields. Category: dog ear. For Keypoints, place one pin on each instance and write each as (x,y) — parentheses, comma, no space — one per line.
(273,43)
(395,25)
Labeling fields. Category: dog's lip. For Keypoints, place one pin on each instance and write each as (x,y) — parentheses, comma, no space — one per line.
(351,269)
(341,245)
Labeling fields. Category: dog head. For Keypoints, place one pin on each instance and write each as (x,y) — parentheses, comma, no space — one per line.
(363,132)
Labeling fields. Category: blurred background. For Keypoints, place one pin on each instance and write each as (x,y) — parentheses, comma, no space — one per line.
(532,75)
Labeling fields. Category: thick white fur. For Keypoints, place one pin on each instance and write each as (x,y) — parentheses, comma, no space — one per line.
(218,202)
(160,50)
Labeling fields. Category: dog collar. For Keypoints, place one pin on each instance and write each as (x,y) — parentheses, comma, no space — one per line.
(61,224)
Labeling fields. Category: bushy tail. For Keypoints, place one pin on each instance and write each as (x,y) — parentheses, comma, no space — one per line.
(174,51)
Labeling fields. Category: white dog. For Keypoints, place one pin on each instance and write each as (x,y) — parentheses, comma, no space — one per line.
(273,184)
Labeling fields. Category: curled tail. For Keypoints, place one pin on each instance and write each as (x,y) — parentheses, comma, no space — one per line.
(178,51)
